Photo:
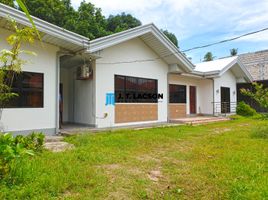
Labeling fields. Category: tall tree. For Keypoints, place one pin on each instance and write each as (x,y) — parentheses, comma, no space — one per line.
(172,37)
(121,22)
(90,23)
(8,2)
(233,52)
(208,57)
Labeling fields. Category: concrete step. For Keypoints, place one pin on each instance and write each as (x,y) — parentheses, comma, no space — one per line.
(58,146)
(53,138)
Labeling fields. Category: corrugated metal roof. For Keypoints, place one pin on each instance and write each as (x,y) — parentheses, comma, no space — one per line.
(215,65)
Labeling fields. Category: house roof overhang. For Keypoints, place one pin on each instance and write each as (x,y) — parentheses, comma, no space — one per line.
(50,33)
(236,67)
(153,38)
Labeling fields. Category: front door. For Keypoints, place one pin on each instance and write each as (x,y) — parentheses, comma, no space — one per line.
(225,100)
(192,100)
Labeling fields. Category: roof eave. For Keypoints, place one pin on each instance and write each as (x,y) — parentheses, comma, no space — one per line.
(111,40)
(43,26)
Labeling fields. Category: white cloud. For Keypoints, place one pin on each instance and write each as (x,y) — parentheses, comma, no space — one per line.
(210,20)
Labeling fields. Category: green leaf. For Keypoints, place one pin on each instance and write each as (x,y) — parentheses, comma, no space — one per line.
(25,10)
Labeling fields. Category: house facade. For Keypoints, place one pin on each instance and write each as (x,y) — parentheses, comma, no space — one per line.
(134,77)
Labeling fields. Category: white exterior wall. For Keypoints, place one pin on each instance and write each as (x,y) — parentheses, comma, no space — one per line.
(78,98)
(131,50)
(204,94)
(23,119)
(228,79)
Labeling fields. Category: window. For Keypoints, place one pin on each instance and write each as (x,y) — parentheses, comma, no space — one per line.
(135,90)
(177,93)
(29,86)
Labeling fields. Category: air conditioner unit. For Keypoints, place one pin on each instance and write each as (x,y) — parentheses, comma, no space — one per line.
(84,72)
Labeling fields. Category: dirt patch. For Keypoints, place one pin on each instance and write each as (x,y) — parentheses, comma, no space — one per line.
(221,130)
(155,175)
(148,158)
(111,166)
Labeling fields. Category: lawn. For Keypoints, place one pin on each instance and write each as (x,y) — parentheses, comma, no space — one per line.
(225,160)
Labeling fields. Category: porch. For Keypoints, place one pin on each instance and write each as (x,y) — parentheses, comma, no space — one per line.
(199,120)
(76,92)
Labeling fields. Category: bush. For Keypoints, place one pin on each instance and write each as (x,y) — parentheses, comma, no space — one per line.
(244,109)
(260,132)
(14,149)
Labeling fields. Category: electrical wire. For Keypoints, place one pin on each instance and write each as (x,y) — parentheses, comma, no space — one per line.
(186,50)
(227,40)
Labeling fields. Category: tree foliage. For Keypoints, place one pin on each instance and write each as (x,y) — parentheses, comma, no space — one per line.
(260,94)
(121,22)
(208,57)
(87,20)
(233,52)
(172,37)
(8,2)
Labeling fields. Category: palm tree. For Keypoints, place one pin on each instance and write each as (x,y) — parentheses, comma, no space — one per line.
(208,57)
(233,52)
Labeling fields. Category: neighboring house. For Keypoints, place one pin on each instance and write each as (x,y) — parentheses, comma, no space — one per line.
(257,65)
(113,81)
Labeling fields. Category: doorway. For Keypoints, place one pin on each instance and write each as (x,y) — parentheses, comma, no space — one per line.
(192,99)
(225,100)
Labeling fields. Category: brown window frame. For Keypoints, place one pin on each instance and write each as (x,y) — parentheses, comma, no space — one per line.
(177,93)
(25,89)
(135,88)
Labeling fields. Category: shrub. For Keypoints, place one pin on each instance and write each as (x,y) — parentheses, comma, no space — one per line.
(260,132)
(244,109)
(14,149)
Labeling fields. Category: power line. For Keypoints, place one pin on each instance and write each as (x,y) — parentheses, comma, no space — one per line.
(186,50)
(227,40)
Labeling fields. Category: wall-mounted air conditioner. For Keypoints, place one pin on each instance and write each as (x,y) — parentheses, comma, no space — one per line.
(84,72)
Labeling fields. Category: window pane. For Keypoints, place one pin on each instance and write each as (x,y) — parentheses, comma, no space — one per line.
(119,82)
(177,93)
(29,87)
(119,88)
(134,89)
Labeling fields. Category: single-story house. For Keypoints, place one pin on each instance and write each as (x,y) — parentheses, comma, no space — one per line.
(128,78)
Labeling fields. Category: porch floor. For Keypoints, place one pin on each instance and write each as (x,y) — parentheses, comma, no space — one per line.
(68,128)
(73,129)
(199,120)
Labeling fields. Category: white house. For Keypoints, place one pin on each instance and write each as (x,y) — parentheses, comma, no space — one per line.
(112,81)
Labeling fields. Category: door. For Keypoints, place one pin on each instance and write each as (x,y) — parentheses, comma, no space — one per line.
(225,100)
(192,100)
(61,105)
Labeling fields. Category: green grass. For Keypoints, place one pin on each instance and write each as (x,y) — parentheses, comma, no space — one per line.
(215,161)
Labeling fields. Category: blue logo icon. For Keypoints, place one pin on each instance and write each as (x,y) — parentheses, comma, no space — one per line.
(109,99)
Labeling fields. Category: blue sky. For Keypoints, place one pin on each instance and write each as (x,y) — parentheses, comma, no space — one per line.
(196,22)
